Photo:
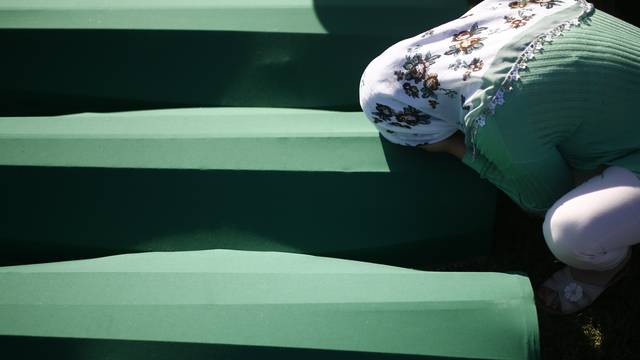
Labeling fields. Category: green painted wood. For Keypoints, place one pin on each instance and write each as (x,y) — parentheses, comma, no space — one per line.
(252,303)
(69,56)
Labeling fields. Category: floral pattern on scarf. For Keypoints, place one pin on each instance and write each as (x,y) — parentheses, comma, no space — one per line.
(476,64)
(420,79)
(520,20)
(407,118)
(466,41)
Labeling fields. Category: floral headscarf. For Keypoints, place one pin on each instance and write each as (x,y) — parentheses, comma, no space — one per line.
(423,89)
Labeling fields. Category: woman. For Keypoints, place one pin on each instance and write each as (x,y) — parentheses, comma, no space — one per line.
(536,96)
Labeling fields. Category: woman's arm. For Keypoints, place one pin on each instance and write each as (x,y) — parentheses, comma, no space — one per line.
(533,184)
(532,175)
(453,145)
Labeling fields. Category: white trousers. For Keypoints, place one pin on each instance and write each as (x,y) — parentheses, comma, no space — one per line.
(593,226)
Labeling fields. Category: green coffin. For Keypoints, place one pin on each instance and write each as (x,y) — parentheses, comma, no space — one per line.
(163,125)
(235,304)
(67,56)
(293,166)
(306,181)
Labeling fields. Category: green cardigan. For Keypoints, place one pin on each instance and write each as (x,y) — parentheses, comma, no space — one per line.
(573,109)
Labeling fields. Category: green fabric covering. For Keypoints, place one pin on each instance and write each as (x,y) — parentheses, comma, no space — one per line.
(301,180)
(65,213)
(307,181)
(207,138)
(129,55)
(260,301)
(290,16)
(573,109)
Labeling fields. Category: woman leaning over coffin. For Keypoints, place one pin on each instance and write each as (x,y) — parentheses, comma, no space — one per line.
(536,96)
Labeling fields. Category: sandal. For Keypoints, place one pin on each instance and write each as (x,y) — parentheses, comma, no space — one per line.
(568,295)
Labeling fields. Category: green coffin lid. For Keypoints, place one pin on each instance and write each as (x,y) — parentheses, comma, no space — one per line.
(206,138)
(249,304)
(292,16)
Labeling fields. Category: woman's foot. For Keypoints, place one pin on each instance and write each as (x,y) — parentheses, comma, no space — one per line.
(571,290)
